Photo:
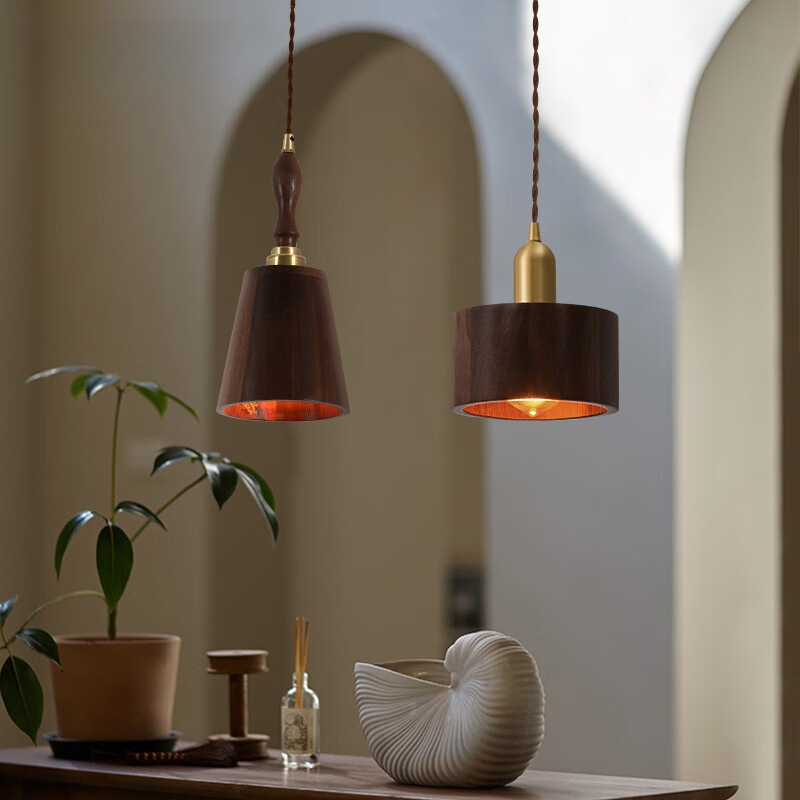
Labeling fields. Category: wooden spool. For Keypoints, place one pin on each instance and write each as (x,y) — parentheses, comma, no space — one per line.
(237,665)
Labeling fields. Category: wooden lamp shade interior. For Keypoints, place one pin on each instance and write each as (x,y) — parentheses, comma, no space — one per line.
(281,410)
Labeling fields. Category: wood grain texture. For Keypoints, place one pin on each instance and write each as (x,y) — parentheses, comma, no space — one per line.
(287,181)
(32,774)
(283,361)
(556,351)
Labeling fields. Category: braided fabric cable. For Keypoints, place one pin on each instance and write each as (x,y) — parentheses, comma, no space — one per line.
(535,97)
(290,70)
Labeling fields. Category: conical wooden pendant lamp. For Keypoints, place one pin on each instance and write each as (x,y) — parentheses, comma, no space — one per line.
(535,359)
(283,360)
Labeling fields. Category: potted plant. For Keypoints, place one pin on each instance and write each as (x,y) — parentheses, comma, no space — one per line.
(117,687)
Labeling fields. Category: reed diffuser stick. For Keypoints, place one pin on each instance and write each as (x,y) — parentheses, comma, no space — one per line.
(301,629)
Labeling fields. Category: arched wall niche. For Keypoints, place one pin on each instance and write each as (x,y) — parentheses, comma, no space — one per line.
(375,506)
(733,689)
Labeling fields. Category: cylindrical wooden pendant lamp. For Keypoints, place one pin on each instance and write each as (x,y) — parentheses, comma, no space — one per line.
(535,359)
(283,360)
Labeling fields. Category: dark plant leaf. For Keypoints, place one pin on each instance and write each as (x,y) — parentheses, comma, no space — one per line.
(141,510)
(223,479)
(95,383)
(114,562)
(183,404)
(255,485)
(40,642)
(169,455)
(5,608)
(22,695)
(58,370)
(77,386)
(68,531)
(265,490)
(152,392)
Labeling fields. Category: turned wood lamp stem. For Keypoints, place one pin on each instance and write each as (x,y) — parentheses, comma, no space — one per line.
(287,181)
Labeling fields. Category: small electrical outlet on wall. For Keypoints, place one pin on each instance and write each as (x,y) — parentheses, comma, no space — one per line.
(464,611)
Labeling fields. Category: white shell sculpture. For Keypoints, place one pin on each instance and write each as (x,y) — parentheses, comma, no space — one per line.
(474,720)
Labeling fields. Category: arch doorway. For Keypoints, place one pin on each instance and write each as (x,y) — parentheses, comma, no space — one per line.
(377,506)
(737,689)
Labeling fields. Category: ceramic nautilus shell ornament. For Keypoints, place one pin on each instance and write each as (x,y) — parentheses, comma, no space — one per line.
(474,720)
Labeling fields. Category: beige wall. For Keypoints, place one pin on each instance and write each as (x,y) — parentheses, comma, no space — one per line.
(18,309)
(728,615)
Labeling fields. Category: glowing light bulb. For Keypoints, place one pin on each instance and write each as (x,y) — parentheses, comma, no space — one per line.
(533,406)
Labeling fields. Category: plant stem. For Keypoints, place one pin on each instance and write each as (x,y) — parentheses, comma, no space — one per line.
(112,625)
(60,598)
(169,503)
(114,454)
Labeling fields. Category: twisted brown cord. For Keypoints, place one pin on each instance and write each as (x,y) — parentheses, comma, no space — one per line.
(535,189)
(290,88)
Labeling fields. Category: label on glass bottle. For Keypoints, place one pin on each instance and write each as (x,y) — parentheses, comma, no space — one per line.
(298,730)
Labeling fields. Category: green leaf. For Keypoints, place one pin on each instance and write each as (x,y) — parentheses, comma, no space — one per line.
(141,510)
(114,562)
(48,373)
(74,524)
(5,608)
(96,383)
(22,695)
(223,479)
(263,485)
(169,455)
(77,386)
(256,485)
(152,392)
(40,642)
(183,405)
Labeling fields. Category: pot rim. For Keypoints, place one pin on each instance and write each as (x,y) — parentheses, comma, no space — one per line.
(123,639)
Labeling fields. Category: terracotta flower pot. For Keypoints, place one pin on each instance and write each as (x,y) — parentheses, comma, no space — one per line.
(115,690)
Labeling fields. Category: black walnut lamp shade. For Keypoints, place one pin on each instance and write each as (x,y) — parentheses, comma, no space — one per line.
(283,360)
(535,359)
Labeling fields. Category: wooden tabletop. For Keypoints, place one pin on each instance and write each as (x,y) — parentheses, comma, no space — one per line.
(337,778)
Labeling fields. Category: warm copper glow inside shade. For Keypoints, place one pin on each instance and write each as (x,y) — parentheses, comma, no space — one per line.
(282,411)
(562,409)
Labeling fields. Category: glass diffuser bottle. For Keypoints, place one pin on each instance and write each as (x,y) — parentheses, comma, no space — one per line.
(300,710)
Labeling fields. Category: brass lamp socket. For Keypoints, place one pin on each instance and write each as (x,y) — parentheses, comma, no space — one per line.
(534,271)
(288,143)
